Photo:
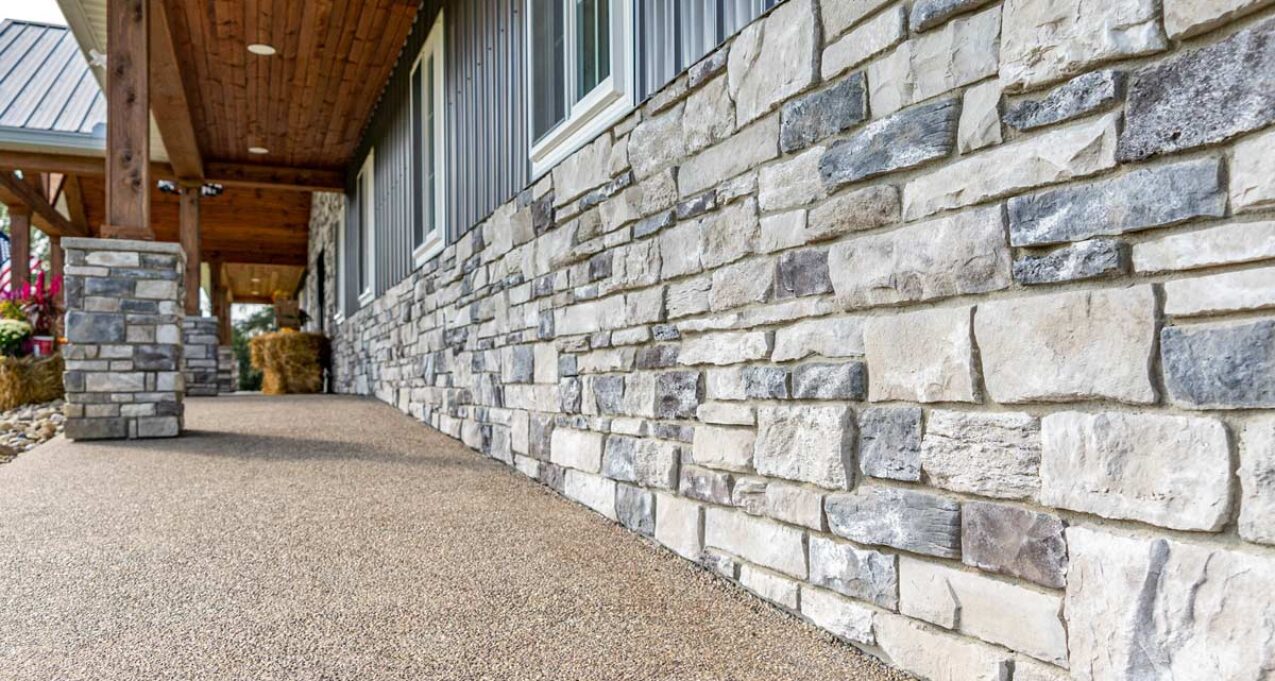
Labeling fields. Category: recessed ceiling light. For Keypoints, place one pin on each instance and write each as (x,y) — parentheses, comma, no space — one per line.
(258,150)
(261,49)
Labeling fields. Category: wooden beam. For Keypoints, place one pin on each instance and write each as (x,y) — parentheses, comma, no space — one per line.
(215,172)
(255,257)
(168,99)
(277,177)
(19,247)
(75,205)
(128,177)
(220,303)
(188,218)
(16,192)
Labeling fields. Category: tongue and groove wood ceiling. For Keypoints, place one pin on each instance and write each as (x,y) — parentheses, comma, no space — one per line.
(308,103)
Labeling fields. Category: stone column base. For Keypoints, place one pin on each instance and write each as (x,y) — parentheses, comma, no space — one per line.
(199,355)
(227,369)
(124,331)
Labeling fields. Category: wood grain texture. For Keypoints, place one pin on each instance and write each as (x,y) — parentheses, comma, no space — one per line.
(307,104)
(19,247)
(188,218)
(128,121)
(168,99)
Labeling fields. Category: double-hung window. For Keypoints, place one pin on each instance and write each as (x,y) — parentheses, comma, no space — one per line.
(428,148)
(580,74)
(365,203)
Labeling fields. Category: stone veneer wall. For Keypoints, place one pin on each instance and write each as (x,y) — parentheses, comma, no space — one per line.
(124,330)
(946,324)
(199,356)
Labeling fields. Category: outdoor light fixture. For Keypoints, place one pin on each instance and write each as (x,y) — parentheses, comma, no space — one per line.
(261,49)
(258,150)
(206,191)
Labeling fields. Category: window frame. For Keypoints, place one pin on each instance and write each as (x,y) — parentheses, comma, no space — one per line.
(599,109)
(341,277)
(433,240)
(367,225)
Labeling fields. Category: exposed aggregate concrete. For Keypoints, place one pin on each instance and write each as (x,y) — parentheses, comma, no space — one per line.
(334,538)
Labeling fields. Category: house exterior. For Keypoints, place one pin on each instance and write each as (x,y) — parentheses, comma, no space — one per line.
(937,323)
(944,325)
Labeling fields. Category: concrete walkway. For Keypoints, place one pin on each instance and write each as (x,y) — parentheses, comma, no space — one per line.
(334,538)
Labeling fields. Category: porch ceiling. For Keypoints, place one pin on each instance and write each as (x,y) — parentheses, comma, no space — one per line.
(308,103)
(257,283)
(246,225)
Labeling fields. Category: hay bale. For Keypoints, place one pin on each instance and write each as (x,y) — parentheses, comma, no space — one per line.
(289,362)
(30,380)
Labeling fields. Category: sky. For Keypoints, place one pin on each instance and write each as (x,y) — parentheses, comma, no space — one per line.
(45,11)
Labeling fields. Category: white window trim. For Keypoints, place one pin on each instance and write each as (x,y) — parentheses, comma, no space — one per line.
(435,239)
(367,222)
(610,101)
(341,236)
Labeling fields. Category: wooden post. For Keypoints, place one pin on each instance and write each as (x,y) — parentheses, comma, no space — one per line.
(57,262)
(128,178)
(189,228)
(220,303)
(19,247)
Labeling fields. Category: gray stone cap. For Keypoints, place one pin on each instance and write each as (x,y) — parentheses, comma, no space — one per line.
(89,244)
(195,320)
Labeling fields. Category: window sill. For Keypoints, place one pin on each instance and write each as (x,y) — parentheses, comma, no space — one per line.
(427,250)
(365,298)
(573,133)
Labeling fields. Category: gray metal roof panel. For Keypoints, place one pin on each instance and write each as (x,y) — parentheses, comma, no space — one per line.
(45,82)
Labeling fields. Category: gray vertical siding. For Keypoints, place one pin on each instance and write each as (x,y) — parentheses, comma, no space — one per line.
(485,106)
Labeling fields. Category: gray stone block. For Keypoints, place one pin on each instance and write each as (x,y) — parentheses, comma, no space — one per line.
(569,395)
(810,118)
(1145,198)
(1085,260)
(904,519)
(1201,96)
(94,327)
(1015,542)
(1220,366)
(844,381)
(927,14)
(890,443)
(766,383)
(97,429)
(903,140)
(803,273)
(704,484)
(635,508)
(859,573)
(678,394)
(608,394)
(1078,97)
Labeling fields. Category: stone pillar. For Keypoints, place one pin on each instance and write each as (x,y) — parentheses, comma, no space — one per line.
(124,333)
(227,369)
(199,363)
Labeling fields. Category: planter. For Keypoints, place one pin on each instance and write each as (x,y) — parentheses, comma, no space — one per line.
(43,346)
(30,380)
(290,362)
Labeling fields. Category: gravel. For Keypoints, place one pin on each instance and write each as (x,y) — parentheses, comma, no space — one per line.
(312,537)
(27,426)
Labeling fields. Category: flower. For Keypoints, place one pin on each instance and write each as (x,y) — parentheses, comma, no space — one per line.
(13,336)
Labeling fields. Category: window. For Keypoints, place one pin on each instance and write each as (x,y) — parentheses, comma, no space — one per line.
(365,201)
(580,74)
(677,33)
(341,280)
(428,148)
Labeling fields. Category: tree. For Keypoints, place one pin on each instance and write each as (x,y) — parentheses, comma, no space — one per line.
(260,321)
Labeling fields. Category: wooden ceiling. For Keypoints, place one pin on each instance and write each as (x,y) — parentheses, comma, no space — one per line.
(246,225)
(257,283)
(307,104)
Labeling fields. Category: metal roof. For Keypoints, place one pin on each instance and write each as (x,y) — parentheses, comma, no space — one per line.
(47,88)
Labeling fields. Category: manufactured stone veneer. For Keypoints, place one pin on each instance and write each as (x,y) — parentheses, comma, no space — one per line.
(946,325)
